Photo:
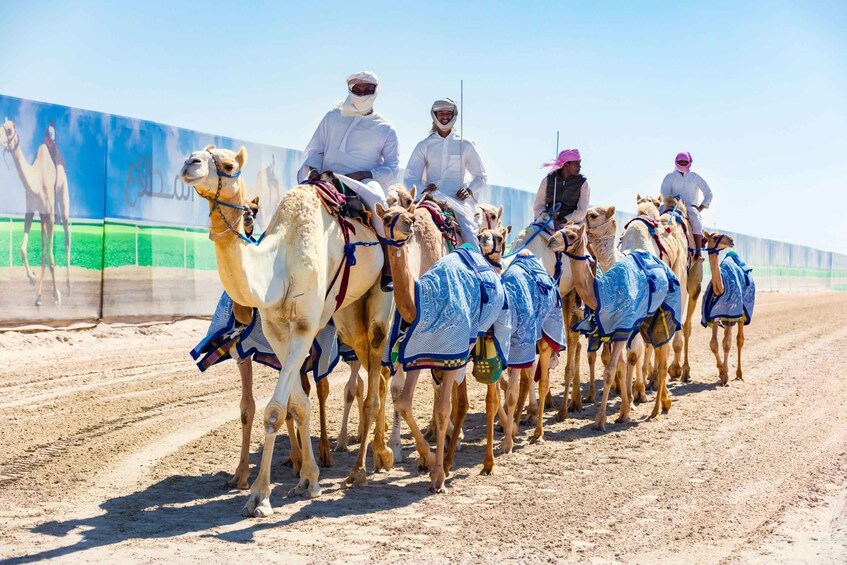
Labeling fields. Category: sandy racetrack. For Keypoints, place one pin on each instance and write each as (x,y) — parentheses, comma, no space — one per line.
(116,448)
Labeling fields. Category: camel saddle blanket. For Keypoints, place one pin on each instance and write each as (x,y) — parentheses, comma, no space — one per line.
(458,300)
(342,202)
(249,341)
(443,217)
(536,309)
(638,293)
(738,298)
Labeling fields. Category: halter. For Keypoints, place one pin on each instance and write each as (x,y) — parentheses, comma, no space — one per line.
(392,239)
(494,251)
(7,147)
(217,203)
(714,250)
(571,255)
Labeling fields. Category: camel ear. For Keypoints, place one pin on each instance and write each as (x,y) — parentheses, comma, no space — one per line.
(208,148)
(508,228)
(255,203)
(707,235)
(241,157)
(610,212)
(414,191)
(500,212)
(411,208)
(638,197)
(581,230)
(379,209)
(556,242)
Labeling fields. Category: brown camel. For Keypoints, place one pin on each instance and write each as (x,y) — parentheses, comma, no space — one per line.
(728,301)
(289,277)
(402,221)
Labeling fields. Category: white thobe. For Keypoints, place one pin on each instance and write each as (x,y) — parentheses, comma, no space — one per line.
(356,143)
(448,162)
(687,186)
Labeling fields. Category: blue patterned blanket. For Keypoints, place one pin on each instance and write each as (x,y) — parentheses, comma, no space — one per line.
(459,299)
(739,294)
(638,293)
(536,309)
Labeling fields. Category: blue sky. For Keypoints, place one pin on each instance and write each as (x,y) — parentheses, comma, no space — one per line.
(756,92)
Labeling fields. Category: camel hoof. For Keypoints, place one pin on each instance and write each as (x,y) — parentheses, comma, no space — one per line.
(599,427)
(675,372)
(537,438)
(738,376)
(622,420)
(383,460)
(340,445)
(325,458)
(686,375)
(57,298)
(397,451)
(588,399)
(356,478)
(241,483)
(305,490)
(38,300)
(561,416)
(499,429)
(429,433)
(257,507)
(574,406)
(437,484)
(295,466)
(486,470)
(507,445)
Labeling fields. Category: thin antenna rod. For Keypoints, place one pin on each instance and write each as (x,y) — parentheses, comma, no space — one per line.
(462,131)
(557,142)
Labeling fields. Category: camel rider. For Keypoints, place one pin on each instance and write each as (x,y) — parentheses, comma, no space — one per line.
(684,184)
(441,163)
(360,147)
(52,148)
(565,186)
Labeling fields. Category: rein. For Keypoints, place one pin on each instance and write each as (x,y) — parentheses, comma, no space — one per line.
(217,203)
(651,228)
(541,228)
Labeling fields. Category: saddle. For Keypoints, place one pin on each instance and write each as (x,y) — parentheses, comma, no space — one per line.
(443,217)
(340,201)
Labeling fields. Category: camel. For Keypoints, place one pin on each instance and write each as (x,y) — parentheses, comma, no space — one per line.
(556,267)
(421,304)
(537,323)
(622,310)
(424,247)
(674,212)
(289,277)
(602,232)
(489,217)
(664,238)
(46,186)
(728,301)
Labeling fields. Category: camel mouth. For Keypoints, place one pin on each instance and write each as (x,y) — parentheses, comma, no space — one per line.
(191,180)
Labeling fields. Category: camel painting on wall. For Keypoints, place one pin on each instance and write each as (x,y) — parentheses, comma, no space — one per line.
(52,178)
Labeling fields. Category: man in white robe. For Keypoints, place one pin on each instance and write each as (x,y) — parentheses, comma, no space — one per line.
(688,185)
(359,146)
(443,162)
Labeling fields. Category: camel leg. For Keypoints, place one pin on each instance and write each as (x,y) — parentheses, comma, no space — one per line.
(663,401)
(523,390)
(625,388)
(394,443)
(532,408)
(576,387)
(460,410)
(686,335)
(63,200)
(295,456)
(649,366)
(490,412)
(383,457)
(512,394)
(727,345)
(590,396)
(350,391)
(24,257)
(324,452)
(403,405)
(635,363)
(40,285)
(437,474)
(739,344)
(675,369)
(430,430)
(241,478)
(501,407)
(608,376)
(51,261)
(291,348)
(543,386)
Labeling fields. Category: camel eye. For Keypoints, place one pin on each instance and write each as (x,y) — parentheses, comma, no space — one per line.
(228,168)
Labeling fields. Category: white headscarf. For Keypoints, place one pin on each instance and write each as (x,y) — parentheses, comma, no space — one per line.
(356,105)
(444,104)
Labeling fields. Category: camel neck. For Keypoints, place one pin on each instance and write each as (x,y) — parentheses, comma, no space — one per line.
(25,171)
(404,282)
(583,280)
(715,268)
(605,251)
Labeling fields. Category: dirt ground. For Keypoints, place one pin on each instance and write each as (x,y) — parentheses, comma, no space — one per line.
(115,448)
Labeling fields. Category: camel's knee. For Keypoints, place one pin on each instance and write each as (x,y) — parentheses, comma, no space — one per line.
(377,334)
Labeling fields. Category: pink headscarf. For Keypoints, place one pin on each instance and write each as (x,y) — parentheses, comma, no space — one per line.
(685,156)
(565,156)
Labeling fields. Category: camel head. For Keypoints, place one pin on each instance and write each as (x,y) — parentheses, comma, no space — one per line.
(716,241)
(670,202)
(7,134)
(647,206)
(570,239)
(600,215)
(399,221)
(398,195)
(212,170)
(492,241)
(487,216)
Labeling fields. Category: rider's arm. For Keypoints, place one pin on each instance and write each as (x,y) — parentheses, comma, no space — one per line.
(474,166)
(313,155)
(578,215)
(667,185)
(386,174)
(540,199)
(415,169)
(707,192)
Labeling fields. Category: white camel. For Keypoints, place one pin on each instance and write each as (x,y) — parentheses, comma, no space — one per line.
(289,277)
